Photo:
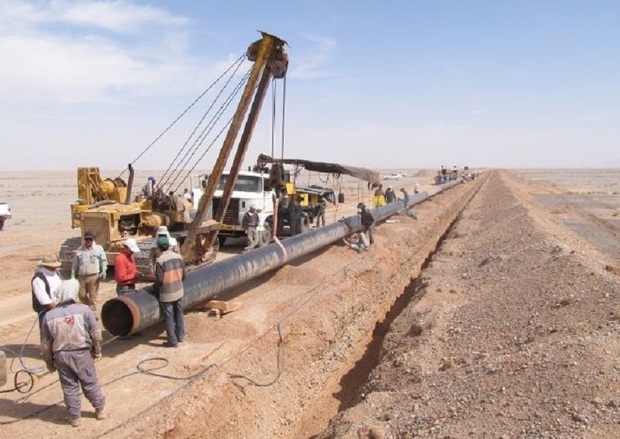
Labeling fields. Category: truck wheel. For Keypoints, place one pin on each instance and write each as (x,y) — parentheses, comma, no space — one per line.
(264,237)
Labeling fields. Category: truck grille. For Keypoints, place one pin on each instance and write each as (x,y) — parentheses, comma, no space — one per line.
(231,217)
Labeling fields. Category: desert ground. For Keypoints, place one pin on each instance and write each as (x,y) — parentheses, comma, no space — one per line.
(495,314)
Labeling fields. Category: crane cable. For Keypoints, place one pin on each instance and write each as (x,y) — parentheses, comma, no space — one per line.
(239,60)
(163,177)
(198,141)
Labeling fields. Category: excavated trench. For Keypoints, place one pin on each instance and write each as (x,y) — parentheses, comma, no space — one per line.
(352,382)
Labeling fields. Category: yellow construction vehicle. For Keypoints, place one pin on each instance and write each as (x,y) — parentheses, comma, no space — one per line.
(106,208)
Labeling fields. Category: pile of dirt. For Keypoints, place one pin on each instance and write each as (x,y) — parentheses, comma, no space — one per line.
(513,334)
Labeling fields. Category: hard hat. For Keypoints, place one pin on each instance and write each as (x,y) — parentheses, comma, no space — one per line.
(162,241)
(361,206)
(132,245)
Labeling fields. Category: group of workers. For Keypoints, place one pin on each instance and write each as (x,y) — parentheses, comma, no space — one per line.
(70,332)
(67,309)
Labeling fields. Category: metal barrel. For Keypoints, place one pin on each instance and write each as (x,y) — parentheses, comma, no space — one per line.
(140,309)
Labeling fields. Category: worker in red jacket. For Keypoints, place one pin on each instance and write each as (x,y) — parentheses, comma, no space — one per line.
(125,270)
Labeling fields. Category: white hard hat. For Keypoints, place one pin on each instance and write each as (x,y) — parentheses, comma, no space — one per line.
(132,245)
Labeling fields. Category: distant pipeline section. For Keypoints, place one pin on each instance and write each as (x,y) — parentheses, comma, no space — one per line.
(140,309)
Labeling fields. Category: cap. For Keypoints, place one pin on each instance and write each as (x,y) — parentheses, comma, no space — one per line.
(162,241)
(132,245)
(89,235)
(151,178)
(361,206)
(67,291)
(50,261)
(252,207)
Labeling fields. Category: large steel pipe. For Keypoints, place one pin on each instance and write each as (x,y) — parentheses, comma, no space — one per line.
(140,309)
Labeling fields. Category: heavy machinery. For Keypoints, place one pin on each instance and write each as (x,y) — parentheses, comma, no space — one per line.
(105,206)
(283,181)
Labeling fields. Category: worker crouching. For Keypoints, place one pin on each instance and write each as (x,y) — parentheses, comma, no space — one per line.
(70,343)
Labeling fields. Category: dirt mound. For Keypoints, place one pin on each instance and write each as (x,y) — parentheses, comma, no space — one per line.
(514,333)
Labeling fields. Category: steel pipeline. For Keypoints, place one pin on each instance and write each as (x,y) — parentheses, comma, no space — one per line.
(140,309)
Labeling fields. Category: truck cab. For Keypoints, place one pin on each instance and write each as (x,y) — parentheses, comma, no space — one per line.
(251,189)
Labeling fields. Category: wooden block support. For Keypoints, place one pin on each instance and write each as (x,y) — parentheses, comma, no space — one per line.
(223,307)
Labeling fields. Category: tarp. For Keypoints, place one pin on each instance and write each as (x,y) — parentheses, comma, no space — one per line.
(365,174)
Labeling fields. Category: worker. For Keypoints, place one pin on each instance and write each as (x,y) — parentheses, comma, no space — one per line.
(90,265)
(45,282)
(187,195)
(250,224)
(125,269)
(149,188)
(169,275)
(390,195)
(367,221)
(155,251)
(321,205)
(379,198)
(70,343)
(296,215)
(416,187)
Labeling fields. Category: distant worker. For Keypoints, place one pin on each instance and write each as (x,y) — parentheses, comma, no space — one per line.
(390,195)
(149,188)
(125,269)
(187,195)
(169,275)
(250,224)
(367,221)
(321,205)
(379,198)
(296,216)
(416,187)
(90,266)
(45,282)
(70,343)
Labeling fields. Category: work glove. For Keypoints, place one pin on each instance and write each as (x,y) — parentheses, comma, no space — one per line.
(50,365)
(103,274)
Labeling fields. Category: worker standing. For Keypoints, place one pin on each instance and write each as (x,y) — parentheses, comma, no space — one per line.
(45,282)
(367,221)
(296,215)
(70,342)
(320,211)
(90,265)
(149,188)
(125,269)
(390,195)
(379,198)
(169,275)
(250,224)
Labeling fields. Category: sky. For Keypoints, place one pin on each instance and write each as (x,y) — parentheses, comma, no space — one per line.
(385,84)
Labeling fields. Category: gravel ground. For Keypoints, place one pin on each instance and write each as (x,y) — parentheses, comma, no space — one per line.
(514,333)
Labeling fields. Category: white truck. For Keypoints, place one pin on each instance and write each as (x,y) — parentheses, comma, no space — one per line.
(5,213)
(251,189)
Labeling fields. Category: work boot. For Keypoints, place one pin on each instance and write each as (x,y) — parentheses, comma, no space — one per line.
(75,422)
(100,414)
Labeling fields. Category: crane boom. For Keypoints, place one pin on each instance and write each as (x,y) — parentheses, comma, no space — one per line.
(270,60)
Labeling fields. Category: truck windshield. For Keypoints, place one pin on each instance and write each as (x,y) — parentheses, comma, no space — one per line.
(245,183)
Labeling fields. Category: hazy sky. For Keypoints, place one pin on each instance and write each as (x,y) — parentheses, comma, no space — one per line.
(383,84)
